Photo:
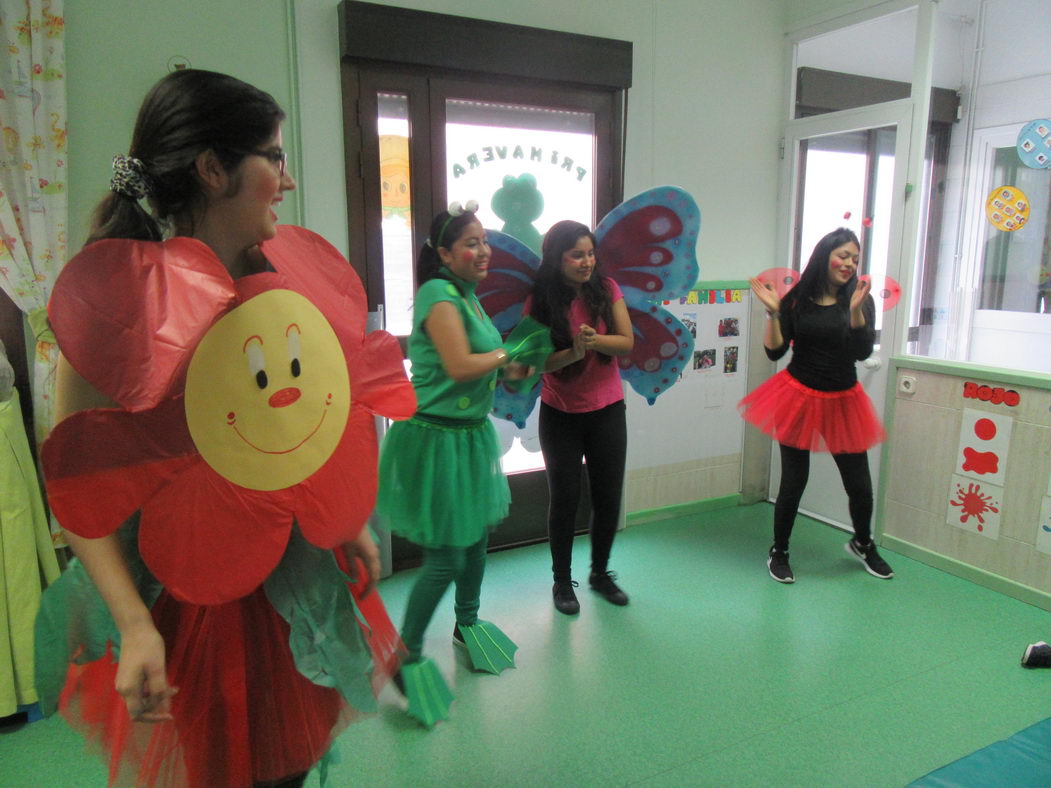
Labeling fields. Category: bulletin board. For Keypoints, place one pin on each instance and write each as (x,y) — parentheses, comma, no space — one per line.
(697,417)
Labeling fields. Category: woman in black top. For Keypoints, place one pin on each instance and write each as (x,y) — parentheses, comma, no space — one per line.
(816,403)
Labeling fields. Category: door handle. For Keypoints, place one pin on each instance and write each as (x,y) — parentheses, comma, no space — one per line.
(872,363)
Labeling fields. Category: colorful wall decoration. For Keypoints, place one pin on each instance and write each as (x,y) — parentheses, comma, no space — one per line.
(976,489)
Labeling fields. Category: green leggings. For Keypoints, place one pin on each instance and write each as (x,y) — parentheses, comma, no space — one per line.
(463,566)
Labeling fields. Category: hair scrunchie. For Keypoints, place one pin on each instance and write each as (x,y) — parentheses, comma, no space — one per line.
(129,177)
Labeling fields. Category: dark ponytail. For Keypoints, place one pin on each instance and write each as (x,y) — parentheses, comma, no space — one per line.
(183,115)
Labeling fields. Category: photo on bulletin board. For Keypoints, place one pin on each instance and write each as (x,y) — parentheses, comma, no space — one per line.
(689,319)
(975,506)
(704,359)
(730,359)
(1043,530)
(729,327)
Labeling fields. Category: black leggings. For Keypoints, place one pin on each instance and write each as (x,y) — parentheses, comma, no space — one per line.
(795,470)
(599,437)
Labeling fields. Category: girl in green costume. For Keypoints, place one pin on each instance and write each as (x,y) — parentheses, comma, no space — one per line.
(441,485)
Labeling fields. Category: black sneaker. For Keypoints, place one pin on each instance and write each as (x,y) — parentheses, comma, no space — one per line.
(602,582)
(777,565)
(458,636)
(1037,655)
(868,556)
(565,598)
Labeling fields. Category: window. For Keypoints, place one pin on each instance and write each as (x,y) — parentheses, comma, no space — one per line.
(982,293)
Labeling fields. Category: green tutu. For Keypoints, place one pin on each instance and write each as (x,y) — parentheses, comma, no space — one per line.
(440,482)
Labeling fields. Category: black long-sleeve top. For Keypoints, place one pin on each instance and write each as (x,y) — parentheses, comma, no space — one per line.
(824,346)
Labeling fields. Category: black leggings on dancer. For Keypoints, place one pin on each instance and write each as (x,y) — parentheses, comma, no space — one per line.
(795,469)
(601,438)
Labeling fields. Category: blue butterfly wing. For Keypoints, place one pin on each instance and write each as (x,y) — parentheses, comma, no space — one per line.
(648,245)
(503,292)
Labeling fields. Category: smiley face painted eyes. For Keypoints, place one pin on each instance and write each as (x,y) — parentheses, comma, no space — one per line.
(256,358)
(294,350)
(256,361)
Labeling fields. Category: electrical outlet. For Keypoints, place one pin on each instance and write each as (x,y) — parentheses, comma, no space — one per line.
(907,384)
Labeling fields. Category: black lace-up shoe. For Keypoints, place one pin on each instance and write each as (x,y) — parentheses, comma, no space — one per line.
(777,565)
(565,598)
(602,582)
(868,556)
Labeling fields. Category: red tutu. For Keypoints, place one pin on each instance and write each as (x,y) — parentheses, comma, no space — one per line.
(243,713)
(839,422)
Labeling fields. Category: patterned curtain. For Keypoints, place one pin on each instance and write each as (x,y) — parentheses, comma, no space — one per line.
(33,176)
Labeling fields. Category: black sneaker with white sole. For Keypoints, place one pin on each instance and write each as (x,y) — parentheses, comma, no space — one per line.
(777,565)
(1037,655)
(870,558)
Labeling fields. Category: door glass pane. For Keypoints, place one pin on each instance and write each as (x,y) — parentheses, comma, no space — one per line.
(847,181)
(1016,266)
(528,167)
(867,63)
(396,205)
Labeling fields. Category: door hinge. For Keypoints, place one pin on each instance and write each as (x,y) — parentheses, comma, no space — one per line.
(781,148)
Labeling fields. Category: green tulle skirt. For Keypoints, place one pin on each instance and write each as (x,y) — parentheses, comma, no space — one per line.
(440,482)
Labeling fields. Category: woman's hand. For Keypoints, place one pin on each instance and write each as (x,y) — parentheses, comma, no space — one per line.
(362,548)
(587,335)
(141,677)
(860,292)
(766,294)
(579,347)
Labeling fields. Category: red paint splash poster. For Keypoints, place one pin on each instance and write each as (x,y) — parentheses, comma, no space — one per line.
(975,506)
(976,489)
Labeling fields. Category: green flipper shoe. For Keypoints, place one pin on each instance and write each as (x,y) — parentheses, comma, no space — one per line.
(488,648)
(428,694)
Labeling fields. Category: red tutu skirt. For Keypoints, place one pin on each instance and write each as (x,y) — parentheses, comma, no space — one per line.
(243,713)
(839,422)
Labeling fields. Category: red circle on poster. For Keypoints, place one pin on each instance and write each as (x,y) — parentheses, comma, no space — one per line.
(781,279)
(985,429)
(885,291)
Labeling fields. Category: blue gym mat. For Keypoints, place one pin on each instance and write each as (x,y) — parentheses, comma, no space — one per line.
(1023,760)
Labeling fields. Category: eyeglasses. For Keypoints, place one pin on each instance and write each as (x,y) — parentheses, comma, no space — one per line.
(276,156)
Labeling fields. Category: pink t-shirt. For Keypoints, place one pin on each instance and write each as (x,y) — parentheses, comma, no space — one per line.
(598,384)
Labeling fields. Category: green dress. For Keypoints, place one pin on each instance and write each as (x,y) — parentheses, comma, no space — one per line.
(440,481)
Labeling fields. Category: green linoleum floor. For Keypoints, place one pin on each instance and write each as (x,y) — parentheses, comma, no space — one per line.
(713,675)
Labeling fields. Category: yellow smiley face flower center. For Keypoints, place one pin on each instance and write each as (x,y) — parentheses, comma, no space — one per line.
(267,392)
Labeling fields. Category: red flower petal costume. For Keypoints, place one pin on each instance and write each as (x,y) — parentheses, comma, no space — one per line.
(246,408)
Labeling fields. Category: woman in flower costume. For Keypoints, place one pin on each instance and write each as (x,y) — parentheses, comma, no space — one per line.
(218,446)
(441,485)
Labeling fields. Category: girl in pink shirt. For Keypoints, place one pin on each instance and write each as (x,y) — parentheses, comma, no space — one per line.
(582,403)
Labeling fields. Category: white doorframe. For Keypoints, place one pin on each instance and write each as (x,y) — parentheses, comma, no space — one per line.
(911,118)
